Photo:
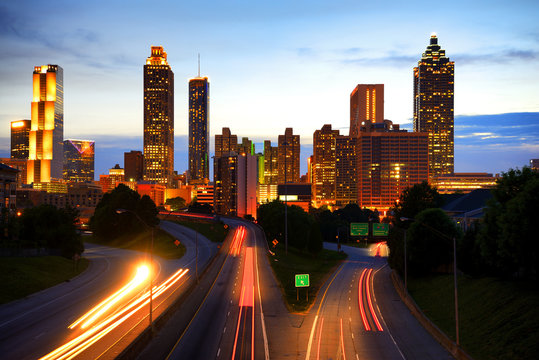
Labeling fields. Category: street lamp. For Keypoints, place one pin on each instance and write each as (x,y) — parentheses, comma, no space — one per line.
(405,258)
(454,270)
(121,211)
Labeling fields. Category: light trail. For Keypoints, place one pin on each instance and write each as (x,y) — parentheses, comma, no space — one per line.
(368,282)
(247,299)
(82,342)
(319,339)
(237,241)
(342,343)
(360,302)
(99,310)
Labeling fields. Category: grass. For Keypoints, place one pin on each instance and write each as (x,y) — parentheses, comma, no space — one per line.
(498,319)
(163,245)
(296,262)
(215,232)
(22,276)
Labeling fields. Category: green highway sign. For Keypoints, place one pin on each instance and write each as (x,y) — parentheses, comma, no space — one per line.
(302,280)
(359,229)
(380,229)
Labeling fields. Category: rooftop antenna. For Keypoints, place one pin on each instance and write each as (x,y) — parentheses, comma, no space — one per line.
(198,64)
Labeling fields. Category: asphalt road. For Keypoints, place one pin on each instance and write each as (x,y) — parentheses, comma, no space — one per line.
(228,325)
(34,326)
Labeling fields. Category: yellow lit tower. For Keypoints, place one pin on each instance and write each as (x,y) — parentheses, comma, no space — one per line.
(434,79)
(324,166)
(158,118)
(46,150)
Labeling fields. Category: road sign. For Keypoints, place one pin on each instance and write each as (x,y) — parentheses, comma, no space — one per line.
(359,229)
(302,280)
(380,229)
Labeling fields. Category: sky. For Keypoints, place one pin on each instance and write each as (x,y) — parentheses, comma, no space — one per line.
(271,65)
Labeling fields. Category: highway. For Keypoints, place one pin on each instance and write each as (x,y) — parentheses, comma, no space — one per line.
(229,323)
(33,327)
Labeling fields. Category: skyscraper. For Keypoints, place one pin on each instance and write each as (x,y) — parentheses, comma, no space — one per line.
(79,160)
(199,128)
(20,139)
(324,166)
(46,154)
(158,118)
(433,106)
(366,103)
(288,160)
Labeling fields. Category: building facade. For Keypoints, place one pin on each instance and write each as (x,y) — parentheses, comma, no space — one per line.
(199,128)
(46,138)
(79,160)
(434,79)
(20,139)
(324,166)
(288,157)
(235,189)
(133,165)
(389,161)
(271,169)
(366,103)
(225,143)
(345,170)
(463,182)
(158,118)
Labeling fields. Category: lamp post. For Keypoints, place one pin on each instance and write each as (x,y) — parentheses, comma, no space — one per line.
(457,337)
(405,259)
(121,211)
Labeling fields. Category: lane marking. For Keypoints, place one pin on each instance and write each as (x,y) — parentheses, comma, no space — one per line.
(318,312)
(319,339)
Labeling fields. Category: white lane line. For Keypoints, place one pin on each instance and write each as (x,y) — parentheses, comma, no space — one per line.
(311,338)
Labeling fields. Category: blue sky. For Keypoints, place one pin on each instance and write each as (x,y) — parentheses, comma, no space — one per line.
(271,65)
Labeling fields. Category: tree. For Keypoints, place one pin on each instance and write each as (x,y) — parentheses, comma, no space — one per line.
(271,218)
(45,226)
(176,203)
(315,239)
(507,237)
(429,241)
(199,208)
(106,223)
(413,200)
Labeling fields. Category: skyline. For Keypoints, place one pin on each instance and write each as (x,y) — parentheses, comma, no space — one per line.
(270,66)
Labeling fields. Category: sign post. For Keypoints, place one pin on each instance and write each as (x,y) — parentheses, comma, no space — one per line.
(302,280)
(380,229)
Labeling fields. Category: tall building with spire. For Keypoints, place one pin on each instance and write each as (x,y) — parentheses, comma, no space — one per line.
(158,118)
(434,79)
(366,103)
(199,128)
(46,141)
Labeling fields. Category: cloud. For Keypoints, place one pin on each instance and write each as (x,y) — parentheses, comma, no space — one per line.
(501,57)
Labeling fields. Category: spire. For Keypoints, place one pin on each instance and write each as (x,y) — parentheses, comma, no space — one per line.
(198,64)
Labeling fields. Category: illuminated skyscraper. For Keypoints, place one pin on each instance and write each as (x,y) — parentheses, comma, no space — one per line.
(366,103)
(46,153)
(79,160)
(288,161)
(324,166)
(433,106)
(20,139)
(158,118)
(199,128)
